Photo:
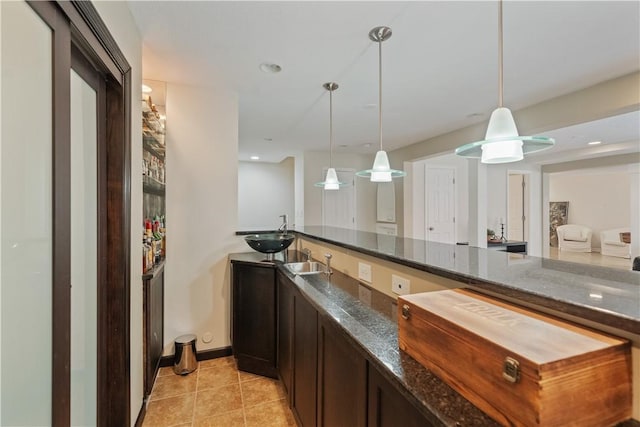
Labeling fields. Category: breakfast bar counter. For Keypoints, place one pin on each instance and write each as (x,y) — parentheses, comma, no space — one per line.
(605,296)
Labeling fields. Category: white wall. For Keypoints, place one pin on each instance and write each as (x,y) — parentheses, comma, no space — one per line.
(118,19)
(265,191)
(202,213)
(600,201)
(298,180)
(314,163)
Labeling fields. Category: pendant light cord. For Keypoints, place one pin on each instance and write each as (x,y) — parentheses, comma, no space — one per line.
(500,57)
(380,92)
(330,127)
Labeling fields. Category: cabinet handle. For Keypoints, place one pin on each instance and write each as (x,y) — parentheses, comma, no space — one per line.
(405,312)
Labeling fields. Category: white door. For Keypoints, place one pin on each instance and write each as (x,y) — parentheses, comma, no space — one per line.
(440,204)
(339,206)
(518,207)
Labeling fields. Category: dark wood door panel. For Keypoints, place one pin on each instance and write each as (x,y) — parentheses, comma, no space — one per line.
(342,380)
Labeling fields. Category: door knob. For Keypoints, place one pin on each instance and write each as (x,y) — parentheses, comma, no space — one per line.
(430,228)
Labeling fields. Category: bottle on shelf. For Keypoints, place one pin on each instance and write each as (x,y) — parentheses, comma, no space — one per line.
(147,254)
(154,242)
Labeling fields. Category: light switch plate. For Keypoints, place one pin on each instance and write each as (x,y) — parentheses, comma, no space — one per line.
(400,285)
(364,272)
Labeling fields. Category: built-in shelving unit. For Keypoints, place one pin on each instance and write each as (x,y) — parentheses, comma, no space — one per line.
(154,208)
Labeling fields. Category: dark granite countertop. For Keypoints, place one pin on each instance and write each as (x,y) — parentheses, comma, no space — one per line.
(367,318)
(602,295)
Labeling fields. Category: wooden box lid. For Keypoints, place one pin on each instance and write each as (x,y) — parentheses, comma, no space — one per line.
(473,343)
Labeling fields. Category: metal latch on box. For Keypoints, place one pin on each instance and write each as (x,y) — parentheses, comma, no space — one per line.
(405,312)
(511,370)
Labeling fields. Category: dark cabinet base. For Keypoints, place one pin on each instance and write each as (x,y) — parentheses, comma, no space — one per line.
(285,333)
(254,317)
(305,361)
(388,408)
(153,326)
(342,380)
(257,366)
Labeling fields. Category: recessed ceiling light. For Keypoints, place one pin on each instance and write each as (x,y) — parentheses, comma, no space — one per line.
(146,89)
(268,139)
(343,145)
(367,144)
(270,68)
(594,142)
(369,106)
(255,158)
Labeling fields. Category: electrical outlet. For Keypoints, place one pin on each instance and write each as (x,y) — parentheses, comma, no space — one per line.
(364,272)
(400,285)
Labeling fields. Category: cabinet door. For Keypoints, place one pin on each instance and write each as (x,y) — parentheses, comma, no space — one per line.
(389,408)
(305,357)
(285,333)
(342,380)
(254,319)
(153,326)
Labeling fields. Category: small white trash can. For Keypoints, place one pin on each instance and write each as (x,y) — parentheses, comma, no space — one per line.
(184,361)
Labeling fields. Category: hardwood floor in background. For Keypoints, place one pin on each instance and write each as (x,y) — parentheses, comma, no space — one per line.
(217,394)
(593,258)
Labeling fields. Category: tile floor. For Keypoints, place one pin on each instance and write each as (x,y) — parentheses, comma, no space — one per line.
(217,394)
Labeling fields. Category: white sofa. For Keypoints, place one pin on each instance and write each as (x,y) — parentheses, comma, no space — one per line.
(612,245)
(574,238)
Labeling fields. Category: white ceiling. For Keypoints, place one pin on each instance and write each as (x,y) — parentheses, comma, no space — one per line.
(439,67)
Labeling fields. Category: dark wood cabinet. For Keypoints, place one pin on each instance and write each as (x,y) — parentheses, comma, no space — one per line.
(329,381)
(285,293)
(387,407)
(305,361)
(153,324)
(342,380)
(254,317)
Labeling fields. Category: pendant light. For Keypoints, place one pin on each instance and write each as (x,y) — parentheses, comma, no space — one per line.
(502,144)
(381,171)
(331,181)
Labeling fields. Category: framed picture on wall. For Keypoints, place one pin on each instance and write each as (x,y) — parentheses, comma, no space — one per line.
(558,215)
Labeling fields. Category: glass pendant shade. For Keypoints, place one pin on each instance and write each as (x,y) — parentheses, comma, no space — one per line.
(381,171)
(502,125)
(331,181)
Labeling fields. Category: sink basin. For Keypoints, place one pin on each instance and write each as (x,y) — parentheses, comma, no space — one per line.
(270,243)
(309,267)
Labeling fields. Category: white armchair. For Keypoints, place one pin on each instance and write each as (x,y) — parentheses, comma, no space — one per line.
(611,243)
(574,238)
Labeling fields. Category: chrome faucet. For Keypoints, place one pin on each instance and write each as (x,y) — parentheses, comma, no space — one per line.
(307,252)
(328,258)
(285,221)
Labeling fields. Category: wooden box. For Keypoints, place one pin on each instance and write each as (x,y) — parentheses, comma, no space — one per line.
(520,367)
